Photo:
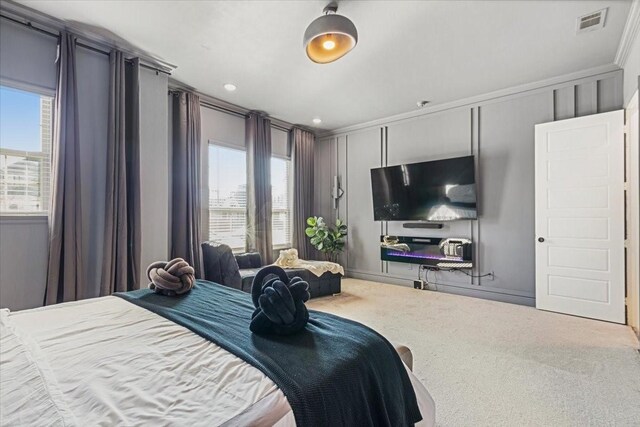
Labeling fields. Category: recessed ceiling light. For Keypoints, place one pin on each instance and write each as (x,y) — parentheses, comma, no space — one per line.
(230,87)
(317,121)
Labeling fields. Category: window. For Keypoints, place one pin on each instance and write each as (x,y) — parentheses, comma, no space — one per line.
(25,152)
(228,196)
(280,202)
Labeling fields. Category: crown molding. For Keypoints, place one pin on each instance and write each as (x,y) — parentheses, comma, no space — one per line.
(45,22)
(229,108)
(502,93)
(629,34)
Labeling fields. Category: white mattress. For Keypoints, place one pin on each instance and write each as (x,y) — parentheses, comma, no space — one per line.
(106,361)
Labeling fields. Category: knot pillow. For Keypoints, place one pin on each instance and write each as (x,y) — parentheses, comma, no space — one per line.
(279,303)
(171,278)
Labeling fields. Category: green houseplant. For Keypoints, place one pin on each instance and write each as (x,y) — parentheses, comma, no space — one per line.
(328,240)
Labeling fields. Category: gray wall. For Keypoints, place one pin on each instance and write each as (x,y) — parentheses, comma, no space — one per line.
(27,61)
(500,133)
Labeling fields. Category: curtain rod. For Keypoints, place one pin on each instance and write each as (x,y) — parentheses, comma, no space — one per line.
(230,111)
(29,25)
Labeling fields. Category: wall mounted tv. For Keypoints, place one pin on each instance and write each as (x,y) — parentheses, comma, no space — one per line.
(441,190)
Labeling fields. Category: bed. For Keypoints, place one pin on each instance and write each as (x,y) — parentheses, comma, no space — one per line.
(106,361)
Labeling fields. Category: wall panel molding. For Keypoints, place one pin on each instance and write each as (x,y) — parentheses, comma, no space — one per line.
(601,72)
(499,131)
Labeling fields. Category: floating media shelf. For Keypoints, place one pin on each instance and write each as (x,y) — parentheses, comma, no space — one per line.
(427,251)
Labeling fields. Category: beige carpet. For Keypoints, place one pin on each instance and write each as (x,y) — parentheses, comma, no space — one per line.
(494,364)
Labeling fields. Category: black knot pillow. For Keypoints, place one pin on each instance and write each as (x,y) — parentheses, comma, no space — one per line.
(279,302)
(171,278)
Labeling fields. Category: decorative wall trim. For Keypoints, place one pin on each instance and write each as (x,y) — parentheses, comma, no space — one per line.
(502,93)
(42,21)
(596,92)
(629,33)
(458,289)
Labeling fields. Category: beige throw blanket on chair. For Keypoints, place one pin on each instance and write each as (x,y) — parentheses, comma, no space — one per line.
(289,259)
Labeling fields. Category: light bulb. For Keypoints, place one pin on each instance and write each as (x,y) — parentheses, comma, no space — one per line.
(329,44)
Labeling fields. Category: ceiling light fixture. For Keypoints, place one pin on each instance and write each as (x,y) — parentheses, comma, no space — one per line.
(317,121)
(229,87)
(330,36)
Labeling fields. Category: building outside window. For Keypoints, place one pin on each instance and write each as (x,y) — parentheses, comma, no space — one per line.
(280,202)
(25,152)
(228,198)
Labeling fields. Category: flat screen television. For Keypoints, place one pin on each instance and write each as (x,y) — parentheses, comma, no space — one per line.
(441,190)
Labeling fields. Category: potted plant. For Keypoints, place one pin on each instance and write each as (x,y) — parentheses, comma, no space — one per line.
(328,240)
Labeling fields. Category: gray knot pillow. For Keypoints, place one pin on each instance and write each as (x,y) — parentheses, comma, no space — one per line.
(171,278)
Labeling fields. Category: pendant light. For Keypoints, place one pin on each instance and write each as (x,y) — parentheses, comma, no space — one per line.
(330,36)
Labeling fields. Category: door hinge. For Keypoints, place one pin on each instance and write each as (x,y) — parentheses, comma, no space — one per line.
(626,186)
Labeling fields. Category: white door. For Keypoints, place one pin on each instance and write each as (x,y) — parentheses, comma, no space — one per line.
(633,213)
(579,179)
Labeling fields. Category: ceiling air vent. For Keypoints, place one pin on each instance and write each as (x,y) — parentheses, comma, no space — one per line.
(591,22)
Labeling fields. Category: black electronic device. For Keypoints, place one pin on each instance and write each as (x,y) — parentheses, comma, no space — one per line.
(430,251)
(441,190)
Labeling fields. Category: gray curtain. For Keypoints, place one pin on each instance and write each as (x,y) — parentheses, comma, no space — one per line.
(186,178)
(302,145)
(121,263)
(258,142)
(65,272)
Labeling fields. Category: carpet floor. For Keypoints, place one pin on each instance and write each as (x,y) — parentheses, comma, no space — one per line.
(488,363)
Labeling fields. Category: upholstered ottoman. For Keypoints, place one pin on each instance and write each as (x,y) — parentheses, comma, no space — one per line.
(327,284)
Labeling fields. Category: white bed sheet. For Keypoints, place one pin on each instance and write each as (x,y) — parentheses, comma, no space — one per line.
(108,362)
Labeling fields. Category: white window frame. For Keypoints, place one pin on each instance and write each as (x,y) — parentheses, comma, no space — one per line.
(289,208)
(207,210)
(221,144)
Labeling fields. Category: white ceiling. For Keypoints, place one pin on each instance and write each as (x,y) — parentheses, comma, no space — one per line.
(407,51)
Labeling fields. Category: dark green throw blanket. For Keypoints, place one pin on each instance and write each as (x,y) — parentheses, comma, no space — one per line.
(335,372)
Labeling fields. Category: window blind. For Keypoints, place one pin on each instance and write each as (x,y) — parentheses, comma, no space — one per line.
(227,196)
(281,202)
(227,177)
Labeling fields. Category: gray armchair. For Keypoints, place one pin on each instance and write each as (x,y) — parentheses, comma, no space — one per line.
(221,266)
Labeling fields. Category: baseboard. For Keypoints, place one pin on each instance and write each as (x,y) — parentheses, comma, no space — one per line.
(465,290)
